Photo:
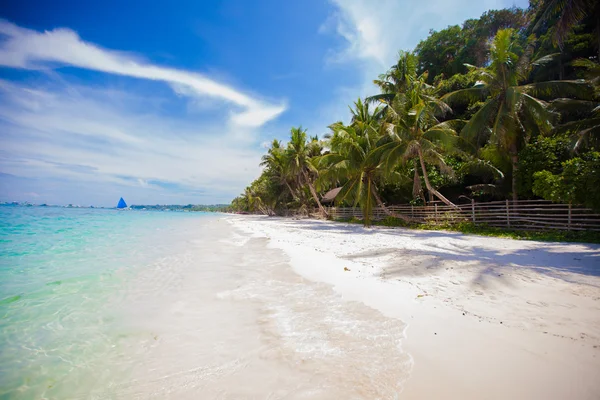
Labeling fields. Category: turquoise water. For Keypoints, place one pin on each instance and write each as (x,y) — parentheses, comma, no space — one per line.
(106,304)
(60,273)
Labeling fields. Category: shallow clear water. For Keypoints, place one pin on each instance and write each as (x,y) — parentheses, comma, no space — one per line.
(107,304)
(59,270)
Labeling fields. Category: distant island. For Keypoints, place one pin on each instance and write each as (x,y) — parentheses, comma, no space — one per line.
(156,207)
(189,207)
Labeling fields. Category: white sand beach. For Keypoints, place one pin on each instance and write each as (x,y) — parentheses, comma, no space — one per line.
(486,318)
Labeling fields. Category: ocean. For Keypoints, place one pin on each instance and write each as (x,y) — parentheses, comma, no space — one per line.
(132,304)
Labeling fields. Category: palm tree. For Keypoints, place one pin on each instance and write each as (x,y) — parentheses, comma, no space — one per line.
(512,110)
(581,118)
(255,202)
(349,161)
(275,161)
(396,79)
(299,154)
(414,131)
(355,160)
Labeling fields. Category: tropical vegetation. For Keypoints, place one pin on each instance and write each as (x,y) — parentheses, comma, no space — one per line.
(506,106)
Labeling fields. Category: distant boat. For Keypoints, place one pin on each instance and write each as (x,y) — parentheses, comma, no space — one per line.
(121,204)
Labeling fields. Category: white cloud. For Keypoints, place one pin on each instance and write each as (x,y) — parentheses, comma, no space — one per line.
(29,49)
(73,133)
(376,31)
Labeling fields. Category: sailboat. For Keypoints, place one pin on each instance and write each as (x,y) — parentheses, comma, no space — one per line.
(122,205)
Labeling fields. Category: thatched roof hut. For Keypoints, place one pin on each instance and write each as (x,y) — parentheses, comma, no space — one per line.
(329,197)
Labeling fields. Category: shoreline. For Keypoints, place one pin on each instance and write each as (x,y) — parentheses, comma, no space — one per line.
(523,317)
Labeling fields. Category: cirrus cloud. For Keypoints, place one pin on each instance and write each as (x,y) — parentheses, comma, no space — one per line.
(30,49)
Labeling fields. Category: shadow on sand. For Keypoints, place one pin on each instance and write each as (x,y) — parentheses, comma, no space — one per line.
(554,259)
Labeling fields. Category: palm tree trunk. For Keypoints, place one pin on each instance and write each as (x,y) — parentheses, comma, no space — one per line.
(368,206)
(515,166)
(315,196)
(598,30)
(290,189)
(384,208)
(429,187)
(417,188)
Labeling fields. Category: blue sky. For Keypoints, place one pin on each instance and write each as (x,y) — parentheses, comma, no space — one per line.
(174,102)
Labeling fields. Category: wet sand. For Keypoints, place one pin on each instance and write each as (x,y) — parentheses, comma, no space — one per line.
(226,317)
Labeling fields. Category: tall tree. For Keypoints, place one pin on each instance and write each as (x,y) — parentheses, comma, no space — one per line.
(396,79)
(512,109)
(299,153)
(416,132)
(443,53)
(275,161)
(354,160)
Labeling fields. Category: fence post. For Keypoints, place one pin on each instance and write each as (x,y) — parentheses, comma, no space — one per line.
(473,209)
(569,225)
(507,214)
(412,211)
(436,216)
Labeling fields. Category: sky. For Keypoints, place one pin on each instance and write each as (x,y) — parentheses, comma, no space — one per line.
(174,102)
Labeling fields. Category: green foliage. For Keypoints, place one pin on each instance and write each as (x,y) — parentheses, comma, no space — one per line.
(578,182)
(543,153)
(394,223)
(484,230)
(444,53)
(353,161)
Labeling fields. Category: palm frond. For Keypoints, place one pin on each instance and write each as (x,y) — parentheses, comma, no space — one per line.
(466,96)
(435,158)
(538,109)
(479,123)
(573,106)
(445,138)
(578,89)
(547,59)
(380,98)
(481,168)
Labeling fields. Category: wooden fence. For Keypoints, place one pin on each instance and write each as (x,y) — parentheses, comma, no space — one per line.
(522,214)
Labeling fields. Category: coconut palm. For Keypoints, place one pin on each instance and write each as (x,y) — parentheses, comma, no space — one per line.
(354,160)
(275,161)
(396,79)
(299,154)
(364,120)
(349,162)
(512,110)
(414,132)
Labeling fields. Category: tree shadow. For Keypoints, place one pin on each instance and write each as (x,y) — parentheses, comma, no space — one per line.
(347,228)
(552,259)
(492,264)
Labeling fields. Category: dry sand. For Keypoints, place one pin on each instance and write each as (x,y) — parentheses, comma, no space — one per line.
(488,318)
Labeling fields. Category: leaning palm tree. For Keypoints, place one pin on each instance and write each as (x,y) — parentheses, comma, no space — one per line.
(512,109)
(299,153)
(414,132)
(276,163)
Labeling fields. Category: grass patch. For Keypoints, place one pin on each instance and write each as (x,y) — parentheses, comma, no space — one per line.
(483,230)
(349,220)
